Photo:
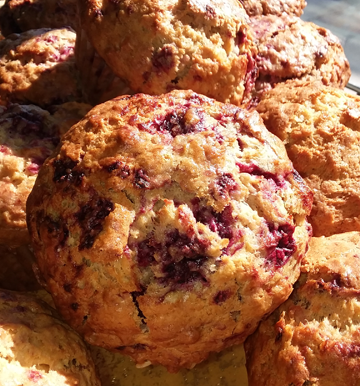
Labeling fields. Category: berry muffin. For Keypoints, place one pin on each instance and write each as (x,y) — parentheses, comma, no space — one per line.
(159,46)
(38,67)
(313,338)
(166,227)
(273,7)
(28,134)
(320,127)
(289,47)
(18,16)
(37,348)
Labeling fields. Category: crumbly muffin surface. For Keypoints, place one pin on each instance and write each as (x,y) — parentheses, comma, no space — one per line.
(155,209)
(28,135)
(320,127)
(289,47)
(18,16)
(37,348)
(273,7)
(38,67)
(313,338)
(159,46)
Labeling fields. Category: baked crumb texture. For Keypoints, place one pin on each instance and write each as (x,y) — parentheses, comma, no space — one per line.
(290,48)
(36,348)
(38,67)
(28,135)
(273,7)
(313,338)
(320,127)
(166,227)
(161,46)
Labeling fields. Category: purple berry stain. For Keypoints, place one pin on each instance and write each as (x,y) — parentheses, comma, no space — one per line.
(181,258)
(222,223)
(280,244)
(91,217)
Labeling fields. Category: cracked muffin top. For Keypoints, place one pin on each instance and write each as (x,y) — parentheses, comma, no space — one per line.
(289,47)
(28,135)
(159,46)
(320,127)
(273,7)
(22,15)
(157,208)
(38,67)
(313,338)
(37,348)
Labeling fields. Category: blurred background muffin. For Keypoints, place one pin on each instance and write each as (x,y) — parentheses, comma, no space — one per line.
(320,127)
(37,348)
(18,16)
(289,48)
(158,47)
(273,7)
(38,67)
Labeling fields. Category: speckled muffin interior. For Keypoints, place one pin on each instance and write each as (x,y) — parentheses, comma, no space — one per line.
(290,48)
(167,227)
(273,7)
(159,46)
(37,348)
(313,338)
(18,16)
(320,127)
(38,67)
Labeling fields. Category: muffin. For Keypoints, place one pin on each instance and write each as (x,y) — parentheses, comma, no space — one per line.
(313,338)
(273,7)
(38,67)
(37,348)
(320,127)
(157,208)
(159,46)
(28,135)
(18,16)
(289,48)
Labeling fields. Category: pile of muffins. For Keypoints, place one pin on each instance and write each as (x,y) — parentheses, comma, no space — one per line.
(181,177)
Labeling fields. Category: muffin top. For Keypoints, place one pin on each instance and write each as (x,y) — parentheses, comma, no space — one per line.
(273,7)
(157,208)
(320,127)
(37,348)
(38,67)
(159,46)
(313,338)
(289,48)
(18,16)
(28,135)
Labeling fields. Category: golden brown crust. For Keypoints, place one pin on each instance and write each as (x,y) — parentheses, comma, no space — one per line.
(290,48)
(320,127)
(28,134)
(157,208)
(313,338)
(37,348)
(159,46)
(38,67)
(273,7)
